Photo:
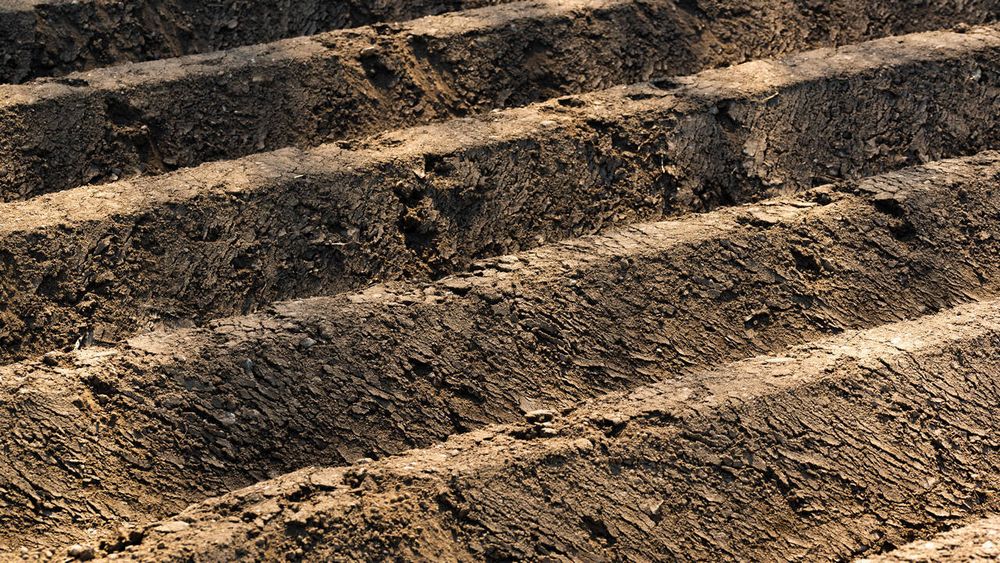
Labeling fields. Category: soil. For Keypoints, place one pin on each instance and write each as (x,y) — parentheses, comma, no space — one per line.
(155,117)
(174,417)
(567,280)
(825,452)
(976,542)
(93,265)
(56,37)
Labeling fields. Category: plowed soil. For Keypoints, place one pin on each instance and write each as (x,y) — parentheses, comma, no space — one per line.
(154,117)
(95,264)
(823,452)
(479,280)
(196,412)
(43,37)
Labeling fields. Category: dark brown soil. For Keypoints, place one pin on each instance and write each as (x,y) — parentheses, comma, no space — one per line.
(96,264)
(99,437)
(158,116)
(826,452)
(46,37)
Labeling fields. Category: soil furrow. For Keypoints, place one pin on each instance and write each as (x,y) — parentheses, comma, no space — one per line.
(828,451)
(126,434)
(96,264)
(55,37)
(978,542)
(154,117)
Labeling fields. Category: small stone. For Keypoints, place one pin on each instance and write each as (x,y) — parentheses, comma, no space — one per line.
(81,552)
(540,416)
(654,510)
(172,527)
(457,285)
(759,218)
(306,343)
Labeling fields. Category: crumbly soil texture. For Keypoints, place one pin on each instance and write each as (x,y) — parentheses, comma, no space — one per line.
(150,118)
(94,264)
(56,37)
(480,280)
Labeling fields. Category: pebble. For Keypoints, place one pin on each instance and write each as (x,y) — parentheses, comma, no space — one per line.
(761,218)
(172,527)
(457,285)
(81,552)
(540,416)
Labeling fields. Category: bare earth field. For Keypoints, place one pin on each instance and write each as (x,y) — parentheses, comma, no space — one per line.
(481,280)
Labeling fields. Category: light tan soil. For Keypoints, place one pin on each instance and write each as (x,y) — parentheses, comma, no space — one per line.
(977,542)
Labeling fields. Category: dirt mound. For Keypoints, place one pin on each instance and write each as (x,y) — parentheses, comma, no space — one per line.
(98,263)
(979,541)
(827,451)
(521,281)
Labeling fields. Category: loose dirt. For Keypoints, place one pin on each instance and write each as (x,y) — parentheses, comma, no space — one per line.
(486,280)
(825,452)
(173,417)
(96,264)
